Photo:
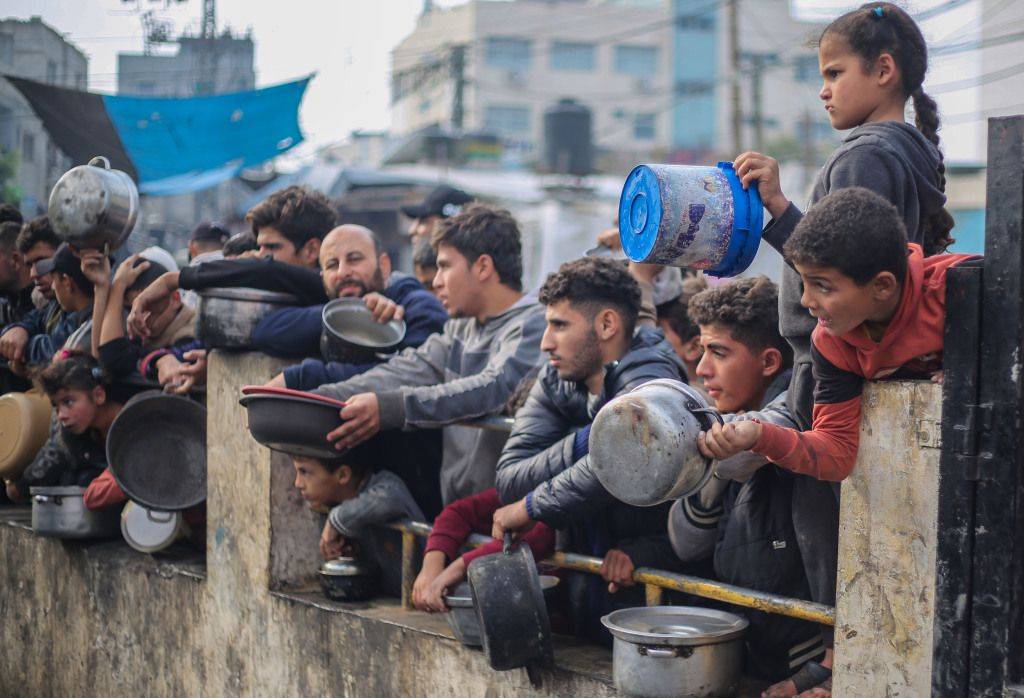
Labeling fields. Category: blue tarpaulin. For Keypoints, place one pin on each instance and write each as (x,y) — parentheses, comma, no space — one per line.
(170,145)
(182,145)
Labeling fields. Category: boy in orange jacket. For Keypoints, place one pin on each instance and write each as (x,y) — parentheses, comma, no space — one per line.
(881,310)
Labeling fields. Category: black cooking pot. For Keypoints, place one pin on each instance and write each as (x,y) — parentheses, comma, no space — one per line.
(348,579)
(292,421)
(510,608)
(351,335)
(156,448)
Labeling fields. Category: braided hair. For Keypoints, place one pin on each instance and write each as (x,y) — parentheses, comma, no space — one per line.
(882,27)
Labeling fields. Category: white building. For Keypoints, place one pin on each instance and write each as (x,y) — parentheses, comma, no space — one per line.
(654,74)
(34,50)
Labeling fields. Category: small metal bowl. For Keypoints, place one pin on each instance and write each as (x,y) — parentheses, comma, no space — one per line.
(351,335)
(348,579)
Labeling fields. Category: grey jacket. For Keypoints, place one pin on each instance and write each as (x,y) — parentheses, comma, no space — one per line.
(466,372)
(891,158)
(538,458)
(693,521)
(383,498)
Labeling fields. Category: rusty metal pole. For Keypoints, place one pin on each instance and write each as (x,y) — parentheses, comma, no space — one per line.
(408,567)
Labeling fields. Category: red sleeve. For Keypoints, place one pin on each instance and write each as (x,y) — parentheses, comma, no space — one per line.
(103,492)
(540,538)
(473,514)
(826,452)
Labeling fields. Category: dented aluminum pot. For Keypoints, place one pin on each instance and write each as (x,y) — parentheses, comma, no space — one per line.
(93,206)
(228,316)
(643,444)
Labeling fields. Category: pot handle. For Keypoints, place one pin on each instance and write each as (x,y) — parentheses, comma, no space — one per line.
(154,519)
(100,161)
(664,652)
(48,499)
(507,547)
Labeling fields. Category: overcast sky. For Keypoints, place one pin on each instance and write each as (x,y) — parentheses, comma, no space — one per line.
(347,43)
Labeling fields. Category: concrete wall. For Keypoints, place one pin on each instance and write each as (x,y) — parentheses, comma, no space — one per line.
(100,619)
(887,542)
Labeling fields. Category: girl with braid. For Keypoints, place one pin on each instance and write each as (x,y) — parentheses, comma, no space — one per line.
(873,61)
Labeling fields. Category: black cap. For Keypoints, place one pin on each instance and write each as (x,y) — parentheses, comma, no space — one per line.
(64,261)
(443,201)
(209,232)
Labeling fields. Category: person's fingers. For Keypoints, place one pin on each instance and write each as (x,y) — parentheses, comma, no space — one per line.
(612,587)
(399,312)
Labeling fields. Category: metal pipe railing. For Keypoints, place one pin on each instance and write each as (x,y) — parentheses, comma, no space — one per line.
(654,581)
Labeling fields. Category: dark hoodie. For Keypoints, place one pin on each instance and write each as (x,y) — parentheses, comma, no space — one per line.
(891,158)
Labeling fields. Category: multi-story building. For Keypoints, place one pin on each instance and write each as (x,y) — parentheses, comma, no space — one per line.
(34,50)
(655,75)
(201,66)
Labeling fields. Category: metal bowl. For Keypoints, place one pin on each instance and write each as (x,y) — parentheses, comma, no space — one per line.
(461,614)
(156,449)
(351,335)
(227,316)
(292,421)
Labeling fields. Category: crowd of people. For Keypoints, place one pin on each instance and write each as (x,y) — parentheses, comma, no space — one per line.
(862,298)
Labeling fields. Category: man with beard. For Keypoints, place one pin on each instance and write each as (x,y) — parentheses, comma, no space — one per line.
(596,352)
(353,265)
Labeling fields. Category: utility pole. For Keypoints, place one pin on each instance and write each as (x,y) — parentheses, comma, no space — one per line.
(808,155)
(757,97)
(458,63)
(734,84)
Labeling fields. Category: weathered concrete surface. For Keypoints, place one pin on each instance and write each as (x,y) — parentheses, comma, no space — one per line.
(887,540)
(103,620)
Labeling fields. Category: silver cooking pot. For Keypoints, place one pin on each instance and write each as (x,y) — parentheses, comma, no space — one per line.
(676,651)
(351,335)
(59,512)
(643,444)
(227,316)
(93,206)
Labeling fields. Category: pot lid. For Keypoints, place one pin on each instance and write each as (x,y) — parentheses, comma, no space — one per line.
(249,294)
(301,395)
(346,567)
(148,530)
(66,491)
(349,320)
(674,625)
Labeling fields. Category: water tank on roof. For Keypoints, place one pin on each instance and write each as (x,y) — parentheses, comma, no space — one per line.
(568,145)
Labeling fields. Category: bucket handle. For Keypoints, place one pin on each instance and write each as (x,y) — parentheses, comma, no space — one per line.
(100,161)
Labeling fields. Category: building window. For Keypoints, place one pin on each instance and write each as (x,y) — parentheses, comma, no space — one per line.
(567,55)
(638,61)
(507,52)
(7,49)
(805,69)
(645,126)
(507,120)
(28,147)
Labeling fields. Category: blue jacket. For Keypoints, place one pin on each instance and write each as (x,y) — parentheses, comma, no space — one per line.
(295,333)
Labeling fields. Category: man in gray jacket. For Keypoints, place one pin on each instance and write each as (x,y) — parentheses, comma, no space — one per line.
(469,370)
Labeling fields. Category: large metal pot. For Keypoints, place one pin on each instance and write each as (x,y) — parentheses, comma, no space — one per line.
(292,421)
(643,444)
(59,512)
(93,206)
(227,316)
(24,426)
(676,651)
(461,614)
(351,335)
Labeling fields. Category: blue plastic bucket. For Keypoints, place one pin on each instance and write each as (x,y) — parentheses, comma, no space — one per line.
(693,217)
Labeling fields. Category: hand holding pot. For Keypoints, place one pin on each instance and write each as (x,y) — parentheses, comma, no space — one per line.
(433,596)
(383,308)
(95,267)
(763,172)
(360,421)
(433,565)
(332,543)
(152,294)
(722,442)
(513,518)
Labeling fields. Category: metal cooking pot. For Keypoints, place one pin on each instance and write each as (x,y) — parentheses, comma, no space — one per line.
(93,206)
(349,579)
(156,448)
(351,335)
(24,426)
(227,316)
(461,614)
(643,444)
(511,611)
(59,512)
(292,421)
(150,531)
(673,651)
